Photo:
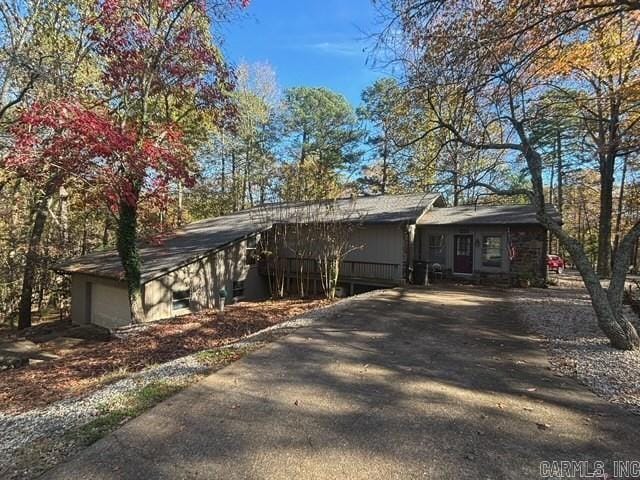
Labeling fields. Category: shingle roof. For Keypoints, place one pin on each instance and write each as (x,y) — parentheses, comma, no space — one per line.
(485,215)
(200,238)
(369,209)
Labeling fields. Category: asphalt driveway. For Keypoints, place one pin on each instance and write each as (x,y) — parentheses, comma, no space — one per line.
(408,384)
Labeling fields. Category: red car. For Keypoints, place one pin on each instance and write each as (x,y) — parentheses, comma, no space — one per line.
(555,263)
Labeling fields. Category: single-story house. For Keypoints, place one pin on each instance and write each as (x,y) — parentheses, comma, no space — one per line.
(185,272)
(502,242)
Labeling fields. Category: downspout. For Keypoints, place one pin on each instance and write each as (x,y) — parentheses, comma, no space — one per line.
(410,230)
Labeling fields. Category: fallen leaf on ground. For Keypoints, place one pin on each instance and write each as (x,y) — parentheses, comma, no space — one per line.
(90,365)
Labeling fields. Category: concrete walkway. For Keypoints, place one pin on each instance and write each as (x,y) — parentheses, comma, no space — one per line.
(439,384)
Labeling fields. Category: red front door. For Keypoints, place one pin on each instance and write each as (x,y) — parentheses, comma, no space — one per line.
(463,254)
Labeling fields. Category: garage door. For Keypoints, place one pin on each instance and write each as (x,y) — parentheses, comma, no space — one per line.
(109,306)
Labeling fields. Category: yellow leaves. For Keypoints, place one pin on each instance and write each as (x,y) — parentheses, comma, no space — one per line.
(606,50)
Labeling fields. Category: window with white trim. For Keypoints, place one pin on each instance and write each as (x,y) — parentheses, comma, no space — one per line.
(492,250)
(181,299)
(436,249)
(251,250)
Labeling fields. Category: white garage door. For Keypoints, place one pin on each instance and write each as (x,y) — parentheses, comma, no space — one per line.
(109,306)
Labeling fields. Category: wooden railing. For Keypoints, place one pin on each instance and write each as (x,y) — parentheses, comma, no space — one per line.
(383,271)
(348,268)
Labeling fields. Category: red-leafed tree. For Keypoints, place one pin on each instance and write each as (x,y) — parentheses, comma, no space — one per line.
(164,85)
(54,142)
(60,141)
(163,71)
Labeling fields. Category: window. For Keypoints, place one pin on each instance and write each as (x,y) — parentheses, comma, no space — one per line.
(238,289)
(181,299)
(437,250)
(492,251)
(464,245)
(251,250)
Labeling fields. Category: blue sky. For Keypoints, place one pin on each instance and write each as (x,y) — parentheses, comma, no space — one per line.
(308,42)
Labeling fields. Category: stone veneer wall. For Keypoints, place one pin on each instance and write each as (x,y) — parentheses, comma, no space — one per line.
(530,261)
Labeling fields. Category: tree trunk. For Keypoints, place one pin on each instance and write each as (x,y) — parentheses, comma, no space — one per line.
(234,181)
(335,271)
(105,231)
(301,184)
(63,213)
(180,203)
(223,168)
(616,240)
(552,174)
(607,304)
(385,165)
(560,173)
(560,182)
(128,250)
(456,180)
(32,257)
(607,157)
(604,224)
(300,273)
(246,185)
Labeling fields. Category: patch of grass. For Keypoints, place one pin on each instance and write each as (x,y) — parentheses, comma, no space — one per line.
(133,404)
(125,407)
(112,377)
(122,409)
(98,428)
(219,357)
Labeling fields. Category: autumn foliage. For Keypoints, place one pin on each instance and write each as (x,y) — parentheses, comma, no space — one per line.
(494,76)
(157,85)
(64,140)
(160,48)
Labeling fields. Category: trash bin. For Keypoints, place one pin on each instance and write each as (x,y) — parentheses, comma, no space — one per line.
(222,296)
(419,273)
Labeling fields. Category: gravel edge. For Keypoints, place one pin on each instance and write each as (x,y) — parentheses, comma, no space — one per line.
(563,316)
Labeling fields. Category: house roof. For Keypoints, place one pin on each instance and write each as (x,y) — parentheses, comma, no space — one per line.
(365,209)
(198,239)
(485,215)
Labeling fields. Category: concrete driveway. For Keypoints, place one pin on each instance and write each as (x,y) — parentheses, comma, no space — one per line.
(408,384)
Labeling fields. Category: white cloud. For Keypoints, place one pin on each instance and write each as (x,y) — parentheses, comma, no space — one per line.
(346,49)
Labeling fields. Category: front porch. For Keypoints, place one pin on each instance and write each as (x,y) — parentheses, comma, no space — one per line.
(498,253)
(353,275)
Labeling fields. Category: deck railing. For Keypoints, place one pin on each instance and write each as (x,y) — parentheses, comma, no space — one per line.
(349,269)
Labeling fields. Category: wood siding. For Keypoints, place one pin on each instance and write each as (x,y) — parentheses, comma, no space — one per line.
(99,300)
(204,278)
(380,244)
(374,244)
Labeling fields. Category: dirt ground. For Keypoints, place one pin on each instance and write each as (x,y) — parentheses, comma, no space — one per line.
(91,363)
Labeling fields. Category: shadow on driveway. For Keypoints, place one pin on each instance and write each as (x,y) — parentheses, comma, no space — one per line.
(440,383)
